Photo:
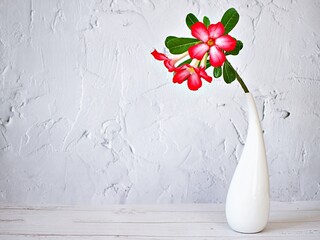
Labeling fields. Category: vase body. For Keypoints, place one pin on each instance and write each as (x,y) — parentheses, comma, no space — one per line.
(247,204)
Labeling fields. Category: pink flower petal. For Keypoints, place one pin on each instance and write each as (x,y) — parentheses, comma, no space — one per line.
(226,43)
(197,51)
(181,76)
(169,65)
(199,31)
(203,74)
(159,56)
(217,57)
(216,30)
(194,82)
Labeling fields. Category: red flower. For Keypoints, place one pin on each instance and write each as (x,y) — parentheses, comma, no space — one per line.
(193,75)
(168,62)
(212,39)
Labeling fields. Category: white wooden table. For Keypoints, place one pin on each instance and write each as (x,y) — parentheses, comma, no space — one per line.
(299,220)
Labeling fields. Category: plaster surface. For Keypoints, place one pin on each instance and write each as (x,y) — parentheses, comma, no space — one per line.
(87,116)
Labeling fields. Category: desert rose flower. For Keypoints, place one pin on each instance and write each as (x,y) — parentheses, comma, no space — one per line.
(213,40)
(168,62)
(192,74)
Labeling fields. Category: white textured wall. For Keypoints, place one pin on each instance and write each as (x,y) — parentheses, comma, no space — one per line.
(87,116)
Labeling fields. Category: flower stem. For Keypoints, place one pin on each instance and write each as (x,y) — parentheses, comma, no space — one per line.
(204,60)
(194,62)
(243,85)
(179,57)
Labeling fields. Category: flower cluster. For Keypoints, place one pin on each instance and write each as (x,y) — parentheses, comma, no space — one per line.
(209,47)
(191,72)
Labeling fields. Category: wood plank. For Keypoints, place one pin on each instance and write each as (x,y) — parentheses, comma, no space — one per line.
(250,237)
(32,216)
(155,229)
(275,206)
(122,208)
(198,221)
(241,237)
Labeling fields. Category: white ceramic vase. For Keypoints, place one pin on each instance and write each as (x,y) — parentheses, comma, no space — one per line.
(247,204)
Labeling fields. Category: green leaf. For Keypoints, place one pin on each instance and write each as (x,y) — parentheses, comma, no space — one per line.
(229,74)
(206,21)
(168,39)
(236,51)
(208,64)
(188,61)
(180,45)
(230,19)
(191,19)
(217,72)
